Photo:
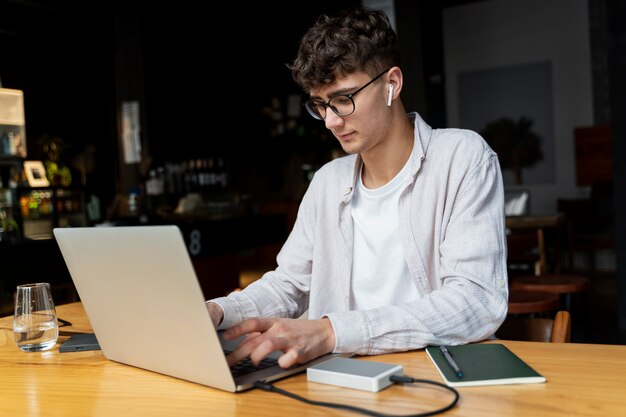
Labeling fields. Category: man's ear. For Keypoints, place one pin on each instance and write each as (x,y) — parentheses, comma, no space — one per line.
(395,80)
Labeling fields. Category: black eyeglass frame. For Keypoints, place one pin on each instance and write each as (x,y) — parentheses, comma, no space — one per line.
(350,96)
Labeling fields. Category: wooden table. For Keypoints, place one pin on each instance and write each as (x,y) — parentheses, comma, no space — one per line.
(535,221)
(583,380)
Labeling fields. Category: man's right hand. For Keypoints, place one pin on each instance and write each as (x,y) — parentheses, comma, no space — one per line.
(216,313)
(299,340)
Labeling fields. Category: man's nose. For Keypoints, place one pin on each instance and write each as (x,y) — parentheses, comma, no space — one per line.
(332,119)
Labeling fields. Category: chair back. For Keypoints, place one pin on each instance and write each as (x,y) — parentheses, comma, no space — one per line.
(536,329)
(526,250)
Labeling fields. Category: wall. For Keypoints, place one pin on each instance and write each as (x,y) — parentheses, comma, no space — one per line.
(507,33)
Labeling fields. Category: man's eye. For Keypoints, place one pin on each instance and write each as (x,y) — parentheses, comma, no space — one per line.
(341,101)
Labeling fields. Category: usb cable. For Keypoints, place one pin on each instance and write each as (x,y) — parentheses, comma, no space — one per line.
(266,386)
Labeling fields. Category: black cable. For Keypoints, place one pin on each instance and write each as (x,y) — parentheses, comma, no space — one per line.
(266,386)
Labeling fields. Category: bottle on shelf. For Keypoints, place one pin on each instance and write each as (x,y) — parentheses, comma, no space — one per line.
(9,229)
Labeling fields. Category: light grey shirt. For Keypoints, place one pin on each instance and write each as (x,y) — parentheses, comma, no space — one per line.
(451,220)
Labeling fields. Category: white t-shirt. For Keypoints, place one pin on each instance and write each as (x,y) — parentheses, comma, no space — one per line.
(380,275)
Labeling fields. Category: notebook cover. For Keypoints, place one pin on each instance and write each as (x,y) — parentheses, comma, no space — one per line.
(483,364)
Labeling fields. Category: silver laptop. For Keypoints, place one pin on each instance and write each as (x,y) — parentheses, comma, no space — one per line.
(143,300)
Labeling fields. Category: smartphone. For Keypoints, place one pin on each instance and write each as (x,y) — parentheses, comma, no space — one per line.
(80,342)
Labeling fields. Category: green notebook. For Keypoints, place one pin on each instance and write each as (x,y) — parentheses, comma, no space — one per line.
(483,364)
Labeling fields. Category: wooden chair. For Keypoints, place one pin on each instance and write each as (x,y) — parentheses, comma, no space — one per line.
(557,330)
(540,280)
(526,253)
(590,223)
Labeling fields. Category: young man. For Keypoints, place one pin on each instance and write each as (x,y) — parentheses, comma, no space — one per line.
(397,246)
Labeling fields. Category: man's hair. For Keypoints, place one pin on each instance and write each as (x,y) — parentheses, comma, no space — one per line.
(351,41)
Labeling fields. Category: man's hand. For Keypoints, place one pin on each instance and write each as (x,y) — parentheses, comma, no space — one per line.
(216,313)
(299,340)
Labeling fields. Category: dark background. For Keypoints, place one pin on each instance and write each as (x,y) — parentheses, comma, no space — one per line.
(203,78)
(204,75)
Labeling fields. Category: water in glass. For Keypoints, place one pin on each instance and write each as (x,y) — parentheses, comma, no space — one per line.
(35,322)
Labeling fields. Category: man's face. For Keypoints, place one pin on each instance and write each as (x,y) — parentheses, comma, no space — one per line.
(362,130)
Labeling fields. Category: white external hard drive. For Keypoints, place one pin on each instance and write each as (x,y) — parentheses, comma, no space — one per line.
(354,373)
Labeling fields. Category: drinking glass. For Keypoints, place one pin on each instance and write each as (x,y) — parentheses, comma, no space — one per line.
(35,321)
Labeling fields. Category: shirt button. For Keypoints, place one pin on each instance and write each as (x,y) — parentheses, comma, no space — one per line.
(500,282)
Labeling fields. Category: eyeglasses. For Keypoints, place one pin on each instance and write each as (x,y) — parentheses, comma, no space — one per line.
(342,105)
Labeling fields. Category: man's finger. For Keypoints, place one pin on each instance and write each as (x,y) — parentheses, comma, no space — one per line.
(248,326)
(239,354)
(264,349)
(247,348)
(288,360)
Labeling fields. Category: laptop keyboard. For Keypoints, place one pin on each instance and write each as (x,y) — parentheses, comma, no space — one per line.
(246,366)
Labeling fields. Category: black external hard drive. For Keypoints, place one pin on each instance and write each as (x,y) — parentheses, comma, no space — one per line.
(80,342)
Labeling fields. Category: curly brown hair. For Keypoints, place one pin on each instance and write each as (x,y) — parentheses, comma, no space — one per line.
(353,40)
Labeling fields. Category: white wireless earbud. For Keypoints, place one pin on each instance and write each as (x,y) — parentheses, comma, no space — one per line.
(390,95)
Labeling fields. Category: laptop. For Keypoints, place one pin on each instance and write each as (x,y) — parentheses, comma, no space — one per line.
(145,305)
